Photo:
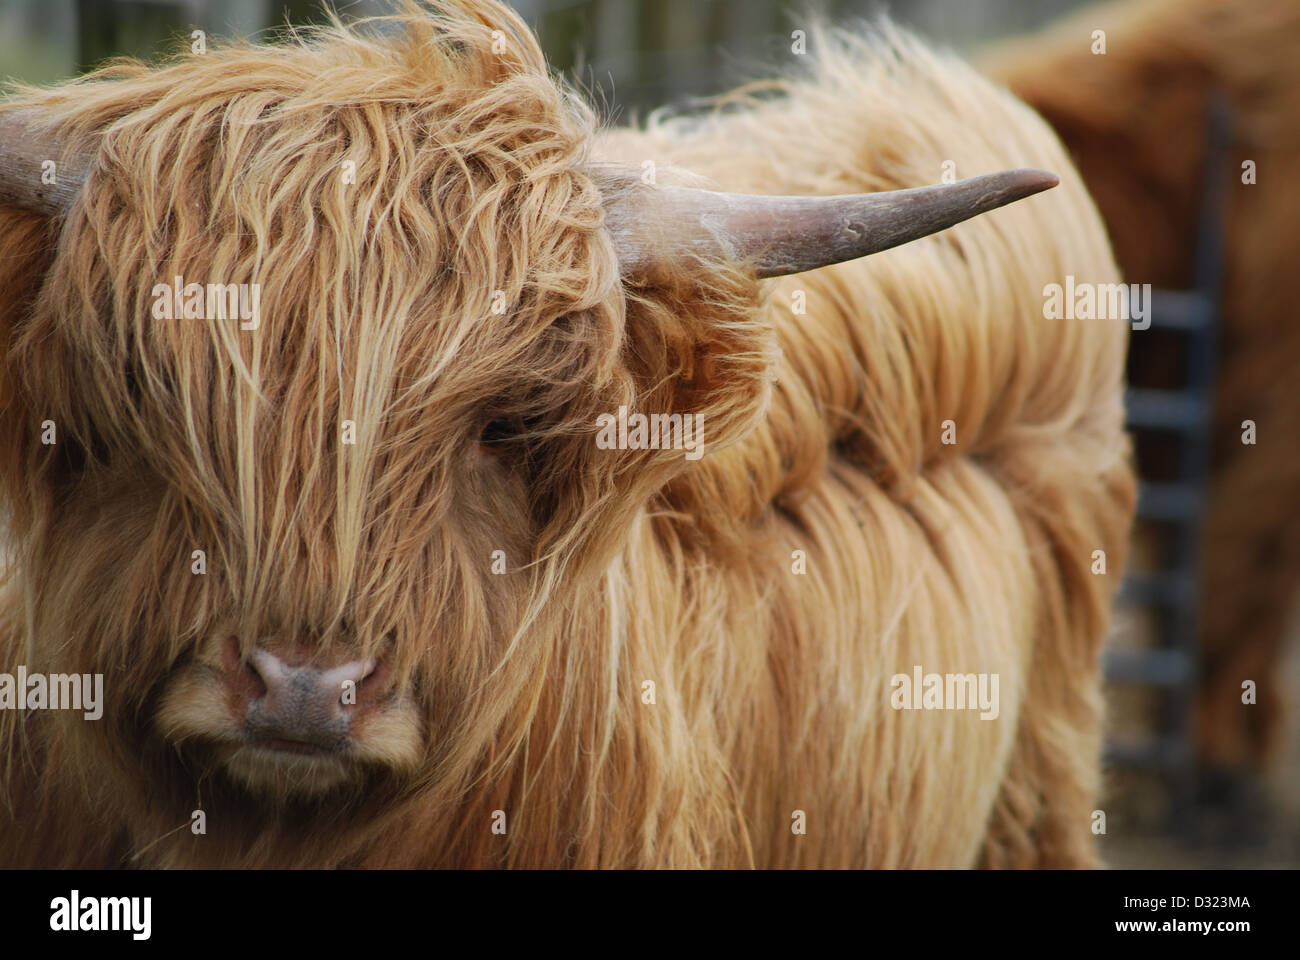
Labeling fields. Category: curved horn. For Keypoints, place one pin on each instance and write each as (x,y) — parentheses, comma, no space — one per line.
(24,148)
(652,226)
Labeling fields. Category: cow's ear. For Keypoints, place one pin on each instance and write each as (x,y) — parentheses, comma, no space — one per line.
(41,175)
(702,346)
(27,246)
(692,376)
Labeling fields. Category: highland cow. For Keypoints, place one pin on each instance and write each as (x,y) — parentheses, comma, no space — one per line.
(364,588)
(1135,121)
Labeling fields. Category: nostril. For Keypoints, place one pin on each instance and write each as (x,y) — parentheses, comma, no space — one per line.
(257,684)
(243,675)
(374,682)
(270,670)
(349,682)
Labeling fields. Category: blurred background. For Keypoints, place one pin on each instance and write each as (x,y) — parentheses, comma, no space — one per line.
(639,53)
(1169,800)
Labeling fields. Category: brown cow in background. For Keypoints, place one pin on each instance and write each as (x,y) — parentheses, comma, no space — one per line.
(1135,120)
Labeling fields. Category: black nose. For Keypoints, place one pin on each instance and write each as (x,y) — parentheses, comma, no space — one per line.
(304,707)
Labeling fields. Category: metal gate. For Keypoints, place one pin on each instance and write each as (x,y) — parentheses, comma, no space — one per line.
(1172,591)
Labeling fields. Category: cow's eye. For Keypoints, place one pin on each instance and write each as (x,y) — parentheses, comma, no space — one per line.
(497,431)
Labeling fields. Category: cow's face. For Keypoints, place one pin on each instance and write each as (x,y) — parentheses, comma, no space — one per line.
(308,513)
(325,344)
(333,514)
(381,463)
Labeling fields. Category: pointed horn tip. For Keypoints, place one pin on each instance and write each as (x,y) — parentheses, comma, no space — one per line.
(1029,181)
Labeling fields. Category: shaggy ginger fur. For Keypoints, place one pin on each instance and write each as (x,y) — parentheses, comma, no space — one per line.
(1135,122)
(523,692)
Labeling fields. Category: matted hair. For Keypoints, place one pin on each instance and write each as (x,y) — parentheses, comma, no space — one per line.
(479,180)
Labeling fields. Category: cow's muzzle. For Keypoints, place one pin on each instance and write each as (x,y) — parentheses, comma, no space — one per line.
(304,708)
